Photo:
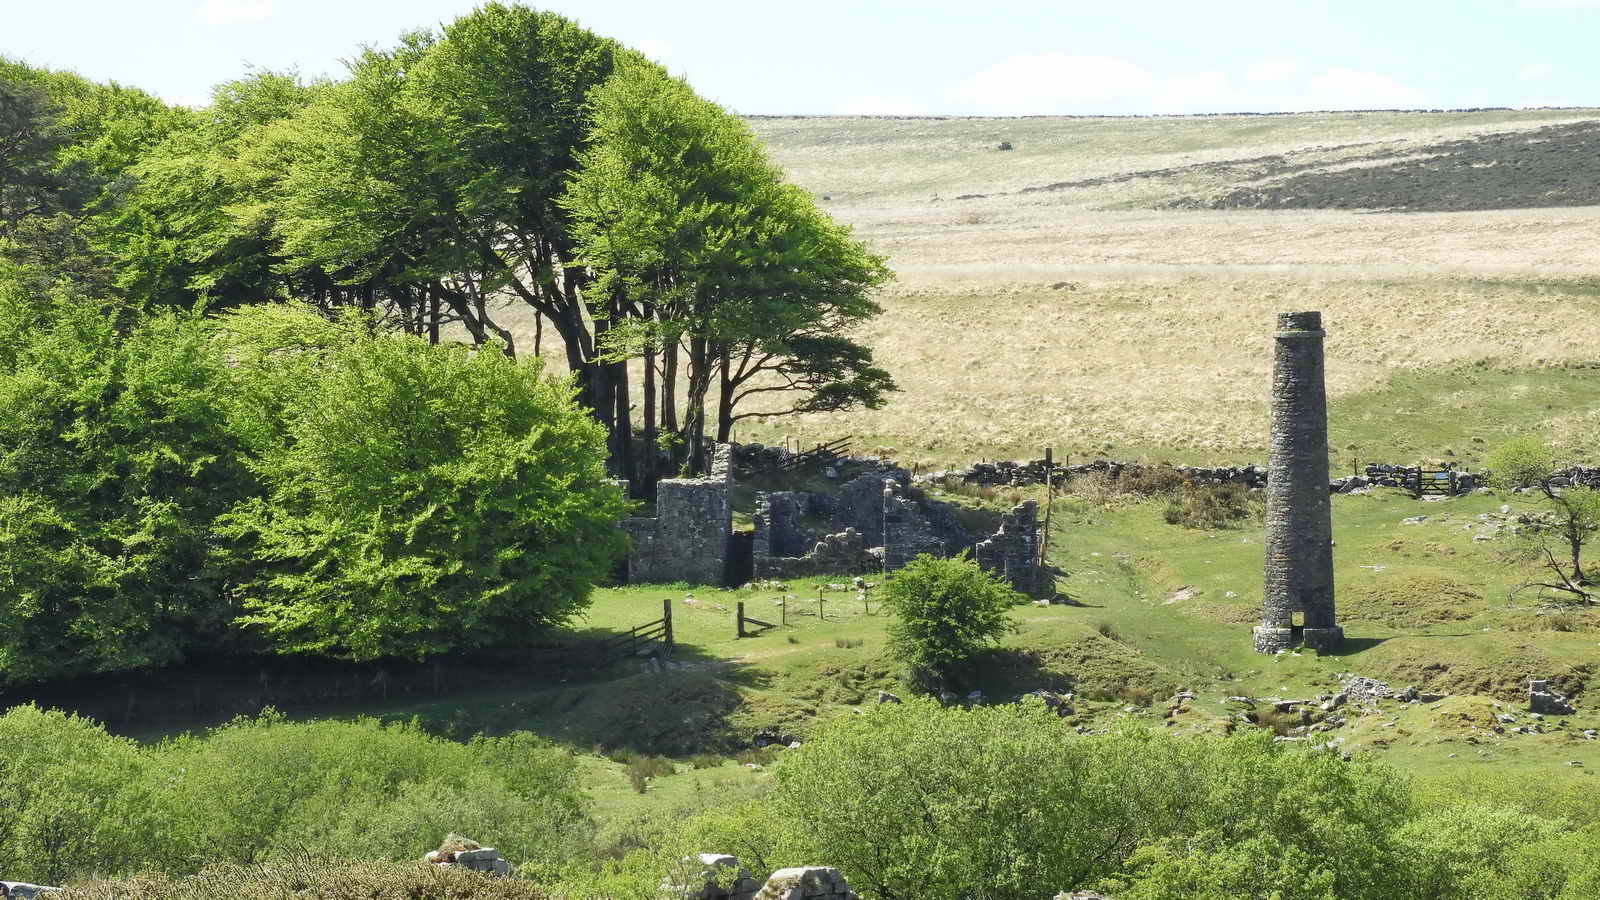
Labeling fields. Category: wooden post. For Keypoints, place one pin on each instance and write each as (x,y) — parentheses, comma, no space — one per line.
(821,614)
(741,619)
(666,617)
(783,611)
(1049,500)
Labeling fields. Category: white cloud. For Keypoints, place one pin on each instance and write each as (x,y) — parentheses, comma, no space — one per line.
(229,12)
(1561,4)
(1536,71)
(1272,70)
(1042,82)
(1339,88)
(654,48)
(873,105)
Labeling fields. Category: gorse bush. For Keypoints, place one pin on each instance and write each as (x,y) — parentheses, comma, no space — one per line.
(1212,506)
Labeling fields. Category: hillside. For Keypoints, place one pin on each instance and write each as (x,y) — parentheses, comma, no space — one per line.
(1108,285)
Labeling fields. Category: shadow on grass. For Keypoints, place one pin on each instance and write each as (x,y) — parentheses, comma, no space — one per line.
(655,701)
(1005,673)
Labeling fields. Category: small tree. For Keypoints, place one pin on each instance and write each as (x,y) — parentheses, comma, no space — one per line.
(945,611)
(1527,462)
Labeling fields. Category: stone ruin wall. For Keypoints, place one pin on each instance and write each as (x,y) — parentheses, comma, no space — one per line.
(687,539)
(880,529)
(1013,551)
(873,522)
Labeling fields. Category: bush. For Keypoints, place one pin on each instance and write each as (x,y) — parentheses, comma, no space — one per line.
(64,806)
(264,787)
(945,610)
(1212,506)
(644,768)
(420,498)
(311,877)
(1001,802)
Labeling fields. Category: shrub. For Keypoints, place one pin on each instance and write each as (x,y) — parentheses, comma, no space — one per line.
(944,610)
(315,878)
(644,768)
(113,464)
(920,800)
(1212,506)
(419,498)
(64,808)
(264,787)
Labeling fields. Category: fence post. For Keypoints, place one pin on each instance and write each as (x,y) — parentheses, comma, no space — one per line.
(1049,498)
(741,619)
(666,617)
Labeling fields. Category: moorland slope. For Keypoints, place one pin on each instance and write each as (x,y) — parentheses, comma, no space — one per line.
(1108,285)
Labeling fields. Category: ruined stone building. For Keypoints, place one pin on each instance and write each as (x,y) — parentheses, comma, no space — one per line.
(873,523)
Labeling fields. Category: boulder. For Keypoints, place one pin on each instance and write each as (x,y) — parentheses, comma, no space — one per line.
(806,883)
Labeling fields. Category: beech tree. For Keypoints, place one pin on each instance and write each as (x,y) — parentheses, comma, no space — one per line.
(701,250)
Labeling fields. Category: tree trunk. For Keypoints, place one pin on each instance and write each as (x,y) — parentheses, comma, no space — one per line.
(669,387)
(433,316)
(624,426)
(699,385)
(647,469)
(725,399)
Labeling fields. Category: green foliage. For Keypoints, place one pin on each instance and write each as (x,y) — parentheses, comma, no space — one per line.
(419,498)
(372,791)
(313,877)
(1529,462)
(79,801)
(691,231)
(1524,461)
(920,800)
(65,792)
(945,610)
(113,463)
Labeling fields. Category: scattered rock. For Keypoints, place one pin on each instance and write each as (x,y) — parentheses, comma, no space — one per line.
(886,697)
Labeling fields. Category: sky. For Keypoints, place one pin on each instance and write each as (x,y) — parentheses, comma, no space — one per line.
(907,57)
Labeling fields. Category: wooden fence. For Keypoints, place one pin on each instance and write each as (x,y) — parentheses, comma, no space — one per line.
(629,642)
(744,619)
(821,453)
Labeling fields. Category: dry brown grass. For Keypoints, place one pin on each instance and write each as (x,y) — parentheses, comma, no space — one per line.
(1157,340)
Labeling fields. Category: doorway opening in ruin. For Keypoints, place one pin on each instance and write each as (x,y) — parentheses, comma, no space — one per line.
(740,567)
(1297,625)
